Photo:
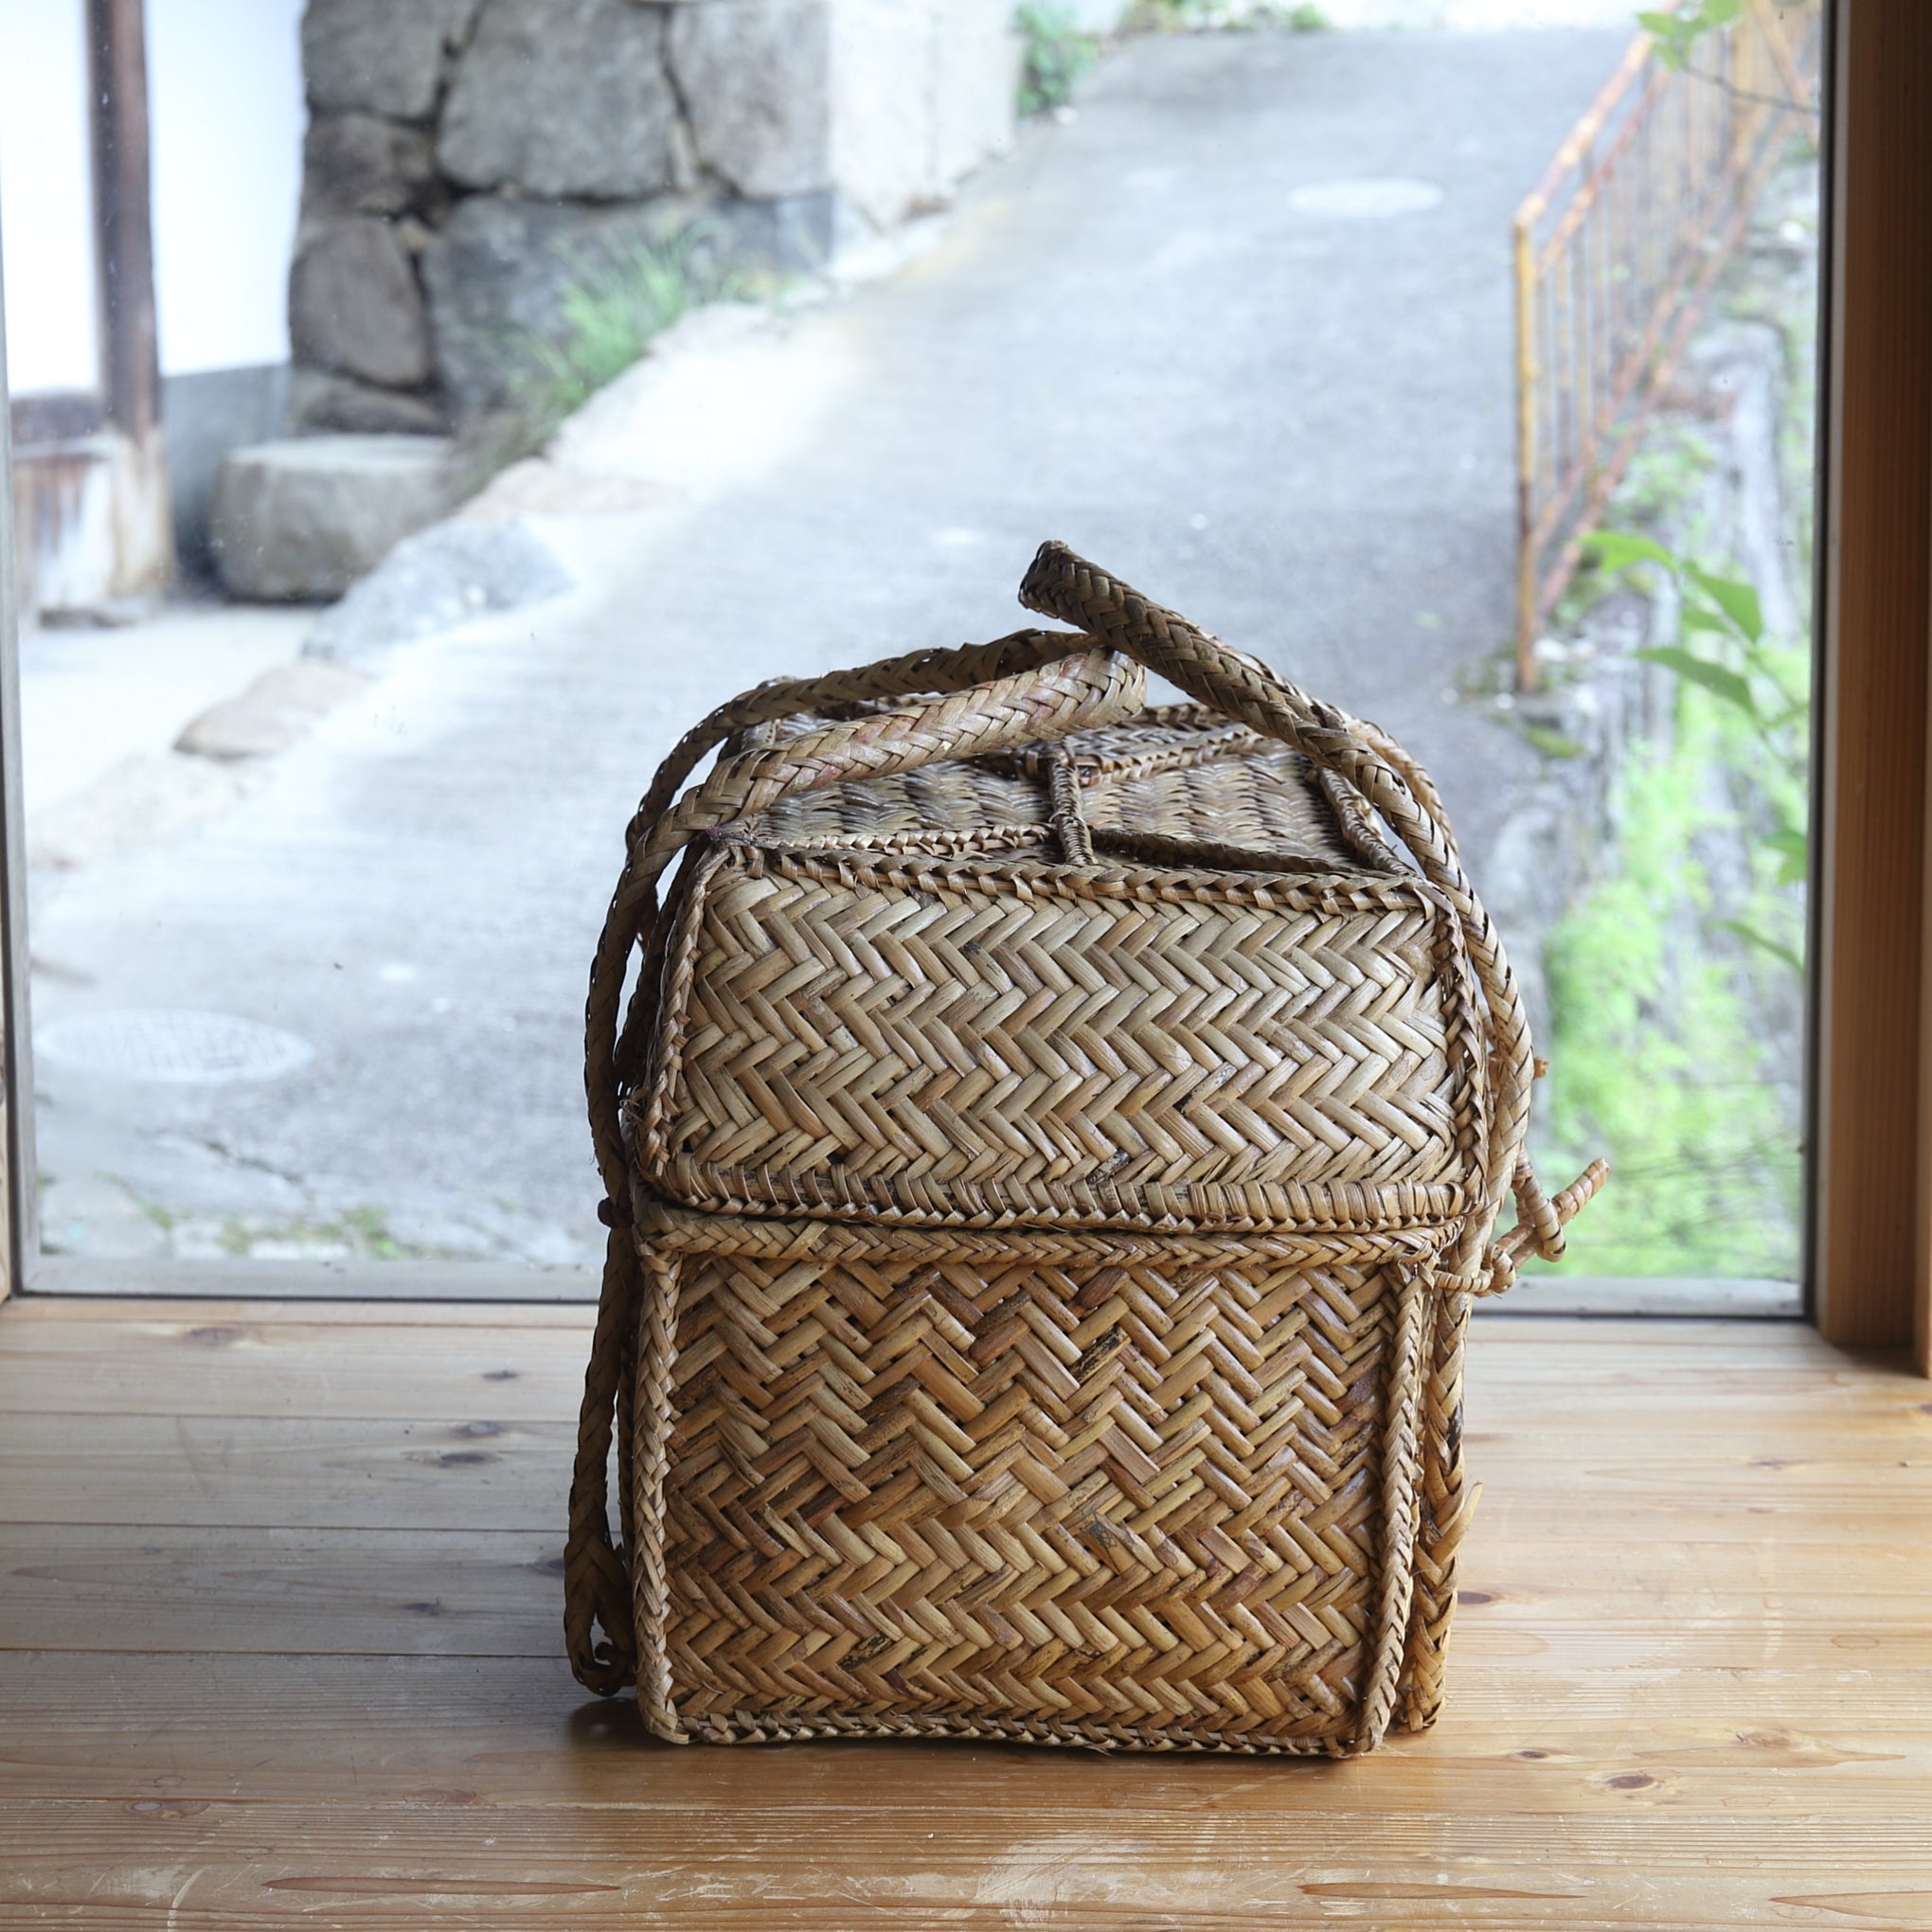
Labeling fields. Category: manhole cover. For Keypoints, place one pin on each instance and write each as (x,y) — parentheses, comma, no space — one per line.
(1365,201)
(178,1048)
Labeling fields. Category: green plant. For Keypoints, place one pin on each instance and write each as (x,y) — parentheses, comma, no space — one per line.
(1762,686)
(1197,16)
(1659,1018)
(1054,54)
(608,315)
(1655,1053)
(611,313)
(1676,34)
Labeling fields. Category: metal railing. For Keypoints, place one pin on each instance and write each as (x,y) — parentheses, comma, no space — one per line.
(1616,249)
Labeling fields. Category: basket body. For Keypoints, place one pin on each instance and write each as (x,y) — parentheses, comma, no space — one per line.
(1038,1259)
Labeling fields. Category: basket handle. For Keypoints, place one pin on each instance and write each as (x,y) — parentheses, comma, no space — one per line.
(1085,688)
(1061,584)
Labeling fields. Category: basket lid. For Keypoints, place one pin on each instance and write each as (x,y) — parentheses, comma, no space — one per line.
(894,999)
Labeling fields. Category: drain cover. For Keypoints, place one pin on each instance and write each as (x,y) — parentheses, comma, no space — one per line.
(176,1048)
(1366,201)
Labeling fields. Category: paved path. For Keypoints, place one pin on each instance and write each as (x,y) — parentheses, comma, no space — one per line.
(1295,427)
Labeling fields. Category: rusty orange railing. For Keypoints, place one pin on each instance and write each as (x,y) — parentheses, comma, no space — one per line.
(1617,247)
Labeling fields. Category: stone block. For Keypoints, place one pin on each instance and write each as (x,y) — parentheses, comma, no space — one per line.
(305,518)
(461,569)
(358,164)
(976,88)
(496,277)
(882,116)
(354,306)
(383,57)
(563,97)
(755,79)
(922,92)
(276,711)
(498,273)
(319,402)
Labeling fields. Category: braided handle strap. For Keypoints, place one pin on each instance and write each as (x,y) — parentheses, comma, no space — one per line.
(1061,584)
(1031,686)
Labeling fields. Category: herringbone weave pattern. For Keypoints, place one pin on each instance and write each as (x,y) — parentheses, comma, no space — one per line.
(1143,1495)
(868,1032)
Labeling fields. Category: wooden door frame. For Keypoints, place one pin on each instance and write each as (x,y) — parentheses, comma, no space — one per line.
(1871,1089)
(19,1185)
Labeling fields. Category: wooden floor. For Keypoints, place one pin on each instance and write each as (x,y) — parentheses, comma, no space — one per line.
(279,1644)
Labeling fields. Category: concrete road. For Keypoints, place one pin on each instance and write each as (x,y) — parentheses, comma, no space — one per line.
(1241,332)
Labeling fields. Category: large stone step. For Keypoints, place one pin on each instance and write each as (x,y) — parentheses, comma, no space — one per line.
(304,518)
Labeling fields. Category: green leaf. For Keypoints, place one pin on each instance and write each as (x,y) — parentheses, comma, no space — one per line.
(1718,679)
(1794,849)
(1704,617)
(1763,941)
(1738,601)
(1720,12)
(1669,34)
(1620,549)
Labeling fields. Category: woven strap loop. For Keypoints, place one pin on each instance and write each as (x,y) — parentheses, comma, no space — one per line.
(1087,688)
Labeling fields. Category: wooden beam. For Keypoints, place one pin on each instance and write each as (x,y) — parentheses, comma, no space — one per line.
(1869,1233)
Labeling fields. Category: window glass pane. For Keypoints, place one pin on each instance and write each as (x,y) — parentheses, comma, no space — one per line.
(1455,356)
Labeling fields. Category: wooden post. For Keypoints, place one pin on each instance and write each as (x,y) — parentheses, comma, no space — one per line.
(123,218)
(1528,374)
(123,221)
(1871,1229)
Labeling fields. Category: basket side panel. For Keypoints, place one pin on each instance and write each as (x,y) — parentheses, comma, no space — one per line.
(1083,1500)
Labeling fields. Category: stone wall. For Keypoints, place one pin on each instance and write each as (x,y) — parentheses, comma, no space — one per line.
(468,160)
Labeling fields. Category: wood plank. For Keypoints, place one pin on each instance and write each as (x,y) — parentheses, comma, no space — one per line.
(167,1365)
(346,1282)
(157,1362)
(498,1593)
(282,1373)
(500,1470)
(422,1730)
(928,1843)
(484,1473)
(203,1308)
(1537,1294)
(263,1591)
(294,1472)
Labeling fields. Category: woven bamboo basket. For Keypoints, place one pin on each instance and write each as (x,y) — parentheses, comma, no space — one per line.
(1049,1152)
